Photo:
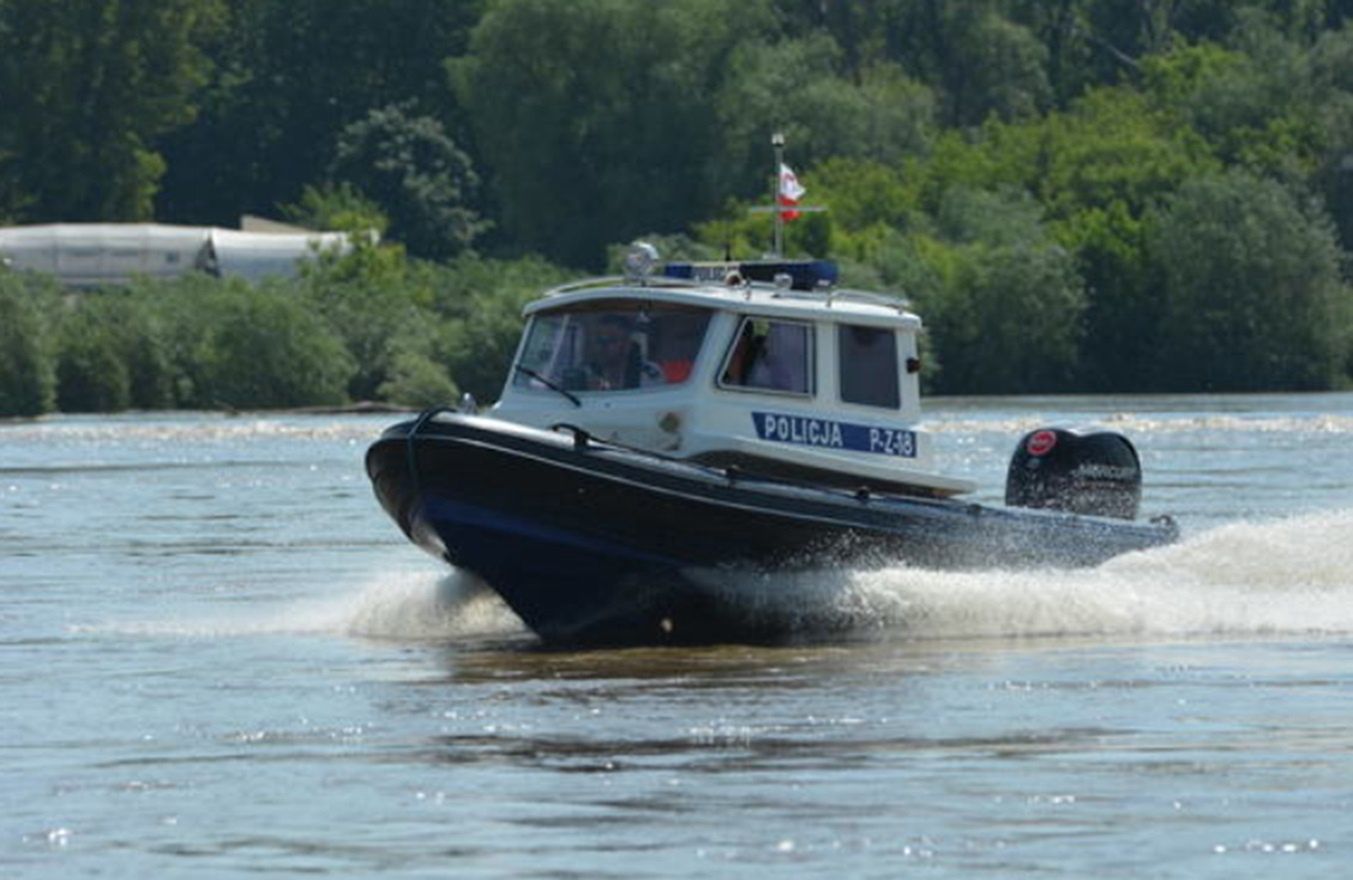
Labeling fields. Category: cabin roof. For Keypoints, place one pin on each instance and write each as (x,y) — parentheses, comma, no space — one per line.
(832,305)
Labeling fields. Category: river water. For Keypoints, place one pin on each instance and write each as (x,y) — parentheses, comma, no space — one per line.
(219,658)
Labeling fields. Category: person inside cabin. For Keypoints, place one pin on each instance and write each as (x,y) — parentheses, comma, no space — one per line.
(744,355)
(770,355)
(615,358)
(677,342)
(783,359)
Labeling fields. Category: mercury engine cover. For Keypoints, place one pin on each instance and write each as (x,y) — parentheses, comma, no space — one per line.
(1094,473)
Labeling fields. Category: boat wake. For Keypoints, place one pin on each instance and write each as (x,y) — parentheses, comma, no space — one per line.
(1291,576)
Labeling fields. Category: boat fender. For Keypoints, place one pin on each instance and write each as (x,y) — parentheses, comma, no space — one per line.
(1096,473)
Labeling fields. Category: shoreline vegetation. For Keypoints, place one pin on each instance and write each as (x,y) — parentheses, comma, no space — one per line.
(361,407)
(1091,196)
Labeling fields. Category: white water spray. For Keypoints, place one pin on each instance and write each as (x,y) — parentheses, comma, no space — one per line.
(1292,576)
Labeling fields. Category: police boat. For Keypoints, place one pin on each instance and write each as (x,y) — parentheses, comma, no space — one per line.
(660,432)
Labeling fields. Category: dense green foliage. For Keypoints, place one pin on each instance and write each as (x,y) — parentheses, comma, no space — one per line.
(27,368)
(1078,195)
(1251,291)
(86,90)
(367,326)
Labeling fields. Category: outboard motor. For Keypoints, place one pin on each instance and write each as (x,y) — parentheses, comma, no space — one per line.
(1096,473)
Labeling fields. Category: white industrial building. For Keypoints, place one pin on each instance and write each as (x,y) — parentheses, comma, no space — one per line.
(109,254)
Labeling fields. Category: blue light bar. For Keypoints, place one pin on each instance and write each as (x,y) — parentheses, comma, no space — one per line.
(804,274)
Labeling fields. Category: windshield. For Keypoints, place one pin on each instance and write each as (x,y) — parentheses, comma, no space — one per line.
(611,346)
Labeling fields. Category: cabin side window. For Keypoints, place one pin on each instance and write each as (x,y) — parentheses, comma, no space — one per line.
(769,355)
(868,366)
(611,346)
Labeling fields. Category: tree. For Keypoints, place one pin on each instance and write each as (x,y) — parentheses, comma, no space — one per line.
(417,175)
(88,88)
(1254,106)
(27,367)
(793,87)
(1331,66)
(979,60)
(869,205)
(999,69)
(234,344)
(415,380)
(1097,169)
(1251,288)
(290,76)
(378,304)
(112,353)
(595,117)
(91,372)
(338,207)
(1006,317)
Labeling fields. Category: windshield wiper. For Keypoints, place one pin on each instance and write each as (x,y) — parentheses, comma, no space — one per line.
(549,384)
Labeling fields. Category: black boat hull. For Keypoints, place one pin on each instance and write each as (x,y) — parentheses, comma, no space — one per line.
(589,543)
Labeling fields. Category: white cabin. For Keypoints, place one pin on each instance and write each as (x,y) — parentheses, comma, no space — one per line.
(786,376)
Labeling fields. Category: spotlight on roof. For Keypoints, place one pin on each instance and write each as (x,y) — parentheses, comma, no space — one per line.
(640,261)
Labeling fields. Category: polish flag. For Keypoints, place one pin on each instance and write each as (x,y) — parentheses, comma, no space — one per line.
(790,192)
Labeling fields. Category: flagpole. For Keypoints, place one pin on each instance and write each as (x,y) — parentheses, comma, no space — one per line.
(783,205)
(777,141)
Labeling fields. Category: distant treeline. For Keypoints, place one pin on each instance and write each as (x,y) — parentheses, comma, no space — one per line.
(367,326)
(1079,195)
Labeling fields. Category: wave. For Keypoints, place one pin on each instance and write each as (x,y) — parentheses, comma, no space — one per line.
(1293,576)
